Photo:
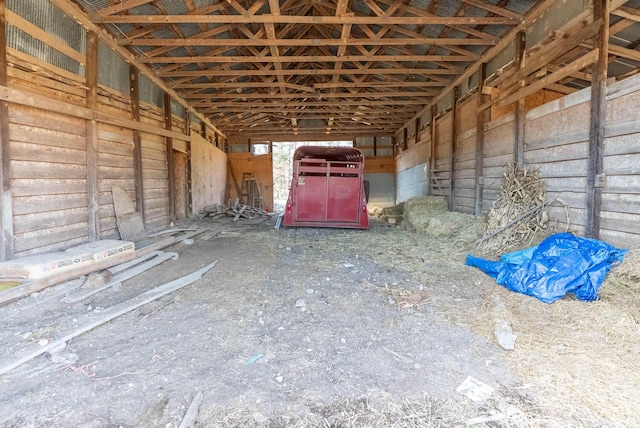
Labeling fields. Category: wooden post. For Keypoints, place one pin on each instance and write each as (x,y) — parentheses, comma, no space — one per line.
(521,43)
(91,76)
(169,147)
(134,91)
(375,146)
(6,203)
(480,121)
(189,195)
(434,142)
(452,178)
(595,176)
(405,138)
(417,130)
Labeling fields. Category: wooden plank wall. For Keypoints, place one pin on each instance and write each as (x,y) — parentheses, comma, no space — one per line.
(556,142)
(442,156)
(499,151)
(48,169)
(621,193)
(154,172)
(115,162)
(262,168)
(49,161)
(556,139)
(465,158)
(208,174)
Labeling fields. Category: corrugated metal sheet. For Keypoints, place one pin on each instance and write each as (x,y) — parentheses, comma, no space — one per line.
(500,60)
(560,14)
(113,71)
(177,109)
(150,92)
(49,18)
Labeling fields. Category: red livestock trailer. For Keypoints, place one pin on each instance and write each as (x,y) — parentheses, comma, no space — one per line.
(327,189)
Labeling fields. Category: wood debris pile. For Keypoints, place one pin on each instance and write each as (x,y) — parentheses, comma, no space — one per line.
(518,213)
(236,211)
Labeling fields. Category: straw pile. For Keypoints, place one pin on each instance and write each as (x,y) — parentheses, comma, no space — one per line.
(430,217)
(518,213)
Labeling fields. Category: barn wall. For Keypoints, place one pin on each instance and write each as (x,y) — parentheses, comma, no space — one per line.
(465,156)
(262,169)
(556,142)
(412,165)
(499,150)
(49,165)
(380,173)
(208,174)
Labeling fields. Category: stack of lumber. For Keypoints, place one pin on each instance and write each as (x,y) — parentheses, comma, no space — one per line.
(236,211)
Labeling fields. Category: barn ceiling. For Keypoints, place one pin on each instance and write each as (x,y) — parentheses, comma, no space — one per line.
(311,67)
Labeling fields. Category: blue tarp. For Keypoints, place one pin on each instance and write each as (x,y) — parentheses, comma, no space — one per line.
(561,264)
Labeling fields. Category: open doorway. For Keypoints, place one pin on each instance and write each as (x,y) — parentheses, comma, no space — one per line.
(283,167)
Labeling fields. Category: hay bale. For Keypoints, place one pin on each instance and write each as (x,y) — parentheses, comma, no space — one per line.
(429,216)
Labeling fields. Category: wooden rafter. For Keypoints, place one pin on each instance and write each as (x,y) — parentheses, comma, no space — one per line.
(273,63)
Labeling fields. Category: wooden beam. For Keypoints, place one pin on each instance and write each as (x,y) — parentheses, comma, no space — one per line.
(434,143)
(91,75)
(356,95)
(595,176)
(168,124)
(376,84)
(547,54)
(383,41)
(405,138)
(310,72)
(302,19)
(39,101)
(134,92)
(502,11)
(534,14)
(6,200)
(521,44)
(452,173)
(121,7)
(301,59)
(554,77)
(627,13)
(481,119)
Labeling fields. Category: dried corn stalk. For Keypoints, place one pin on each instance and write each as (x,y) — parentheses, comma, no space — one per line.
(519,211)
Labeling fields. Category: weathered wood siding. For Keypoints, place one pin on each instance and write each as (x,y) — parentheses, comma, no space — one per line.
(48,158)
(465,157)
(498,152)
(620,222)
(442,156)
(48,170)
(209,174)
(155,174)
(262,169)
(556,143)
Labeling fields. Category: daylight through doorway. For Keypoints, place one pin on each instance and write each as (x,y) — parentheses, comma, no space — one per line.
(283,167)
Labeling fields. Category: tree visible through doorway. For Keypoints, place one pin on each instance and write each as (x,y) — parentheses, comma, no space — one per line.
(283,167)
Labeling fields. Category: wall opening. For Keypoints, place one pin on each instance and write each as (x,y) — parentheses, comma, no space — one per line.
(283,167)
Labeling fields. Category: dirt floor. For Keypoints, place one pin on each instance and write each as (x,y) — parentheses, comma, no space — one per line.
(314,327)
